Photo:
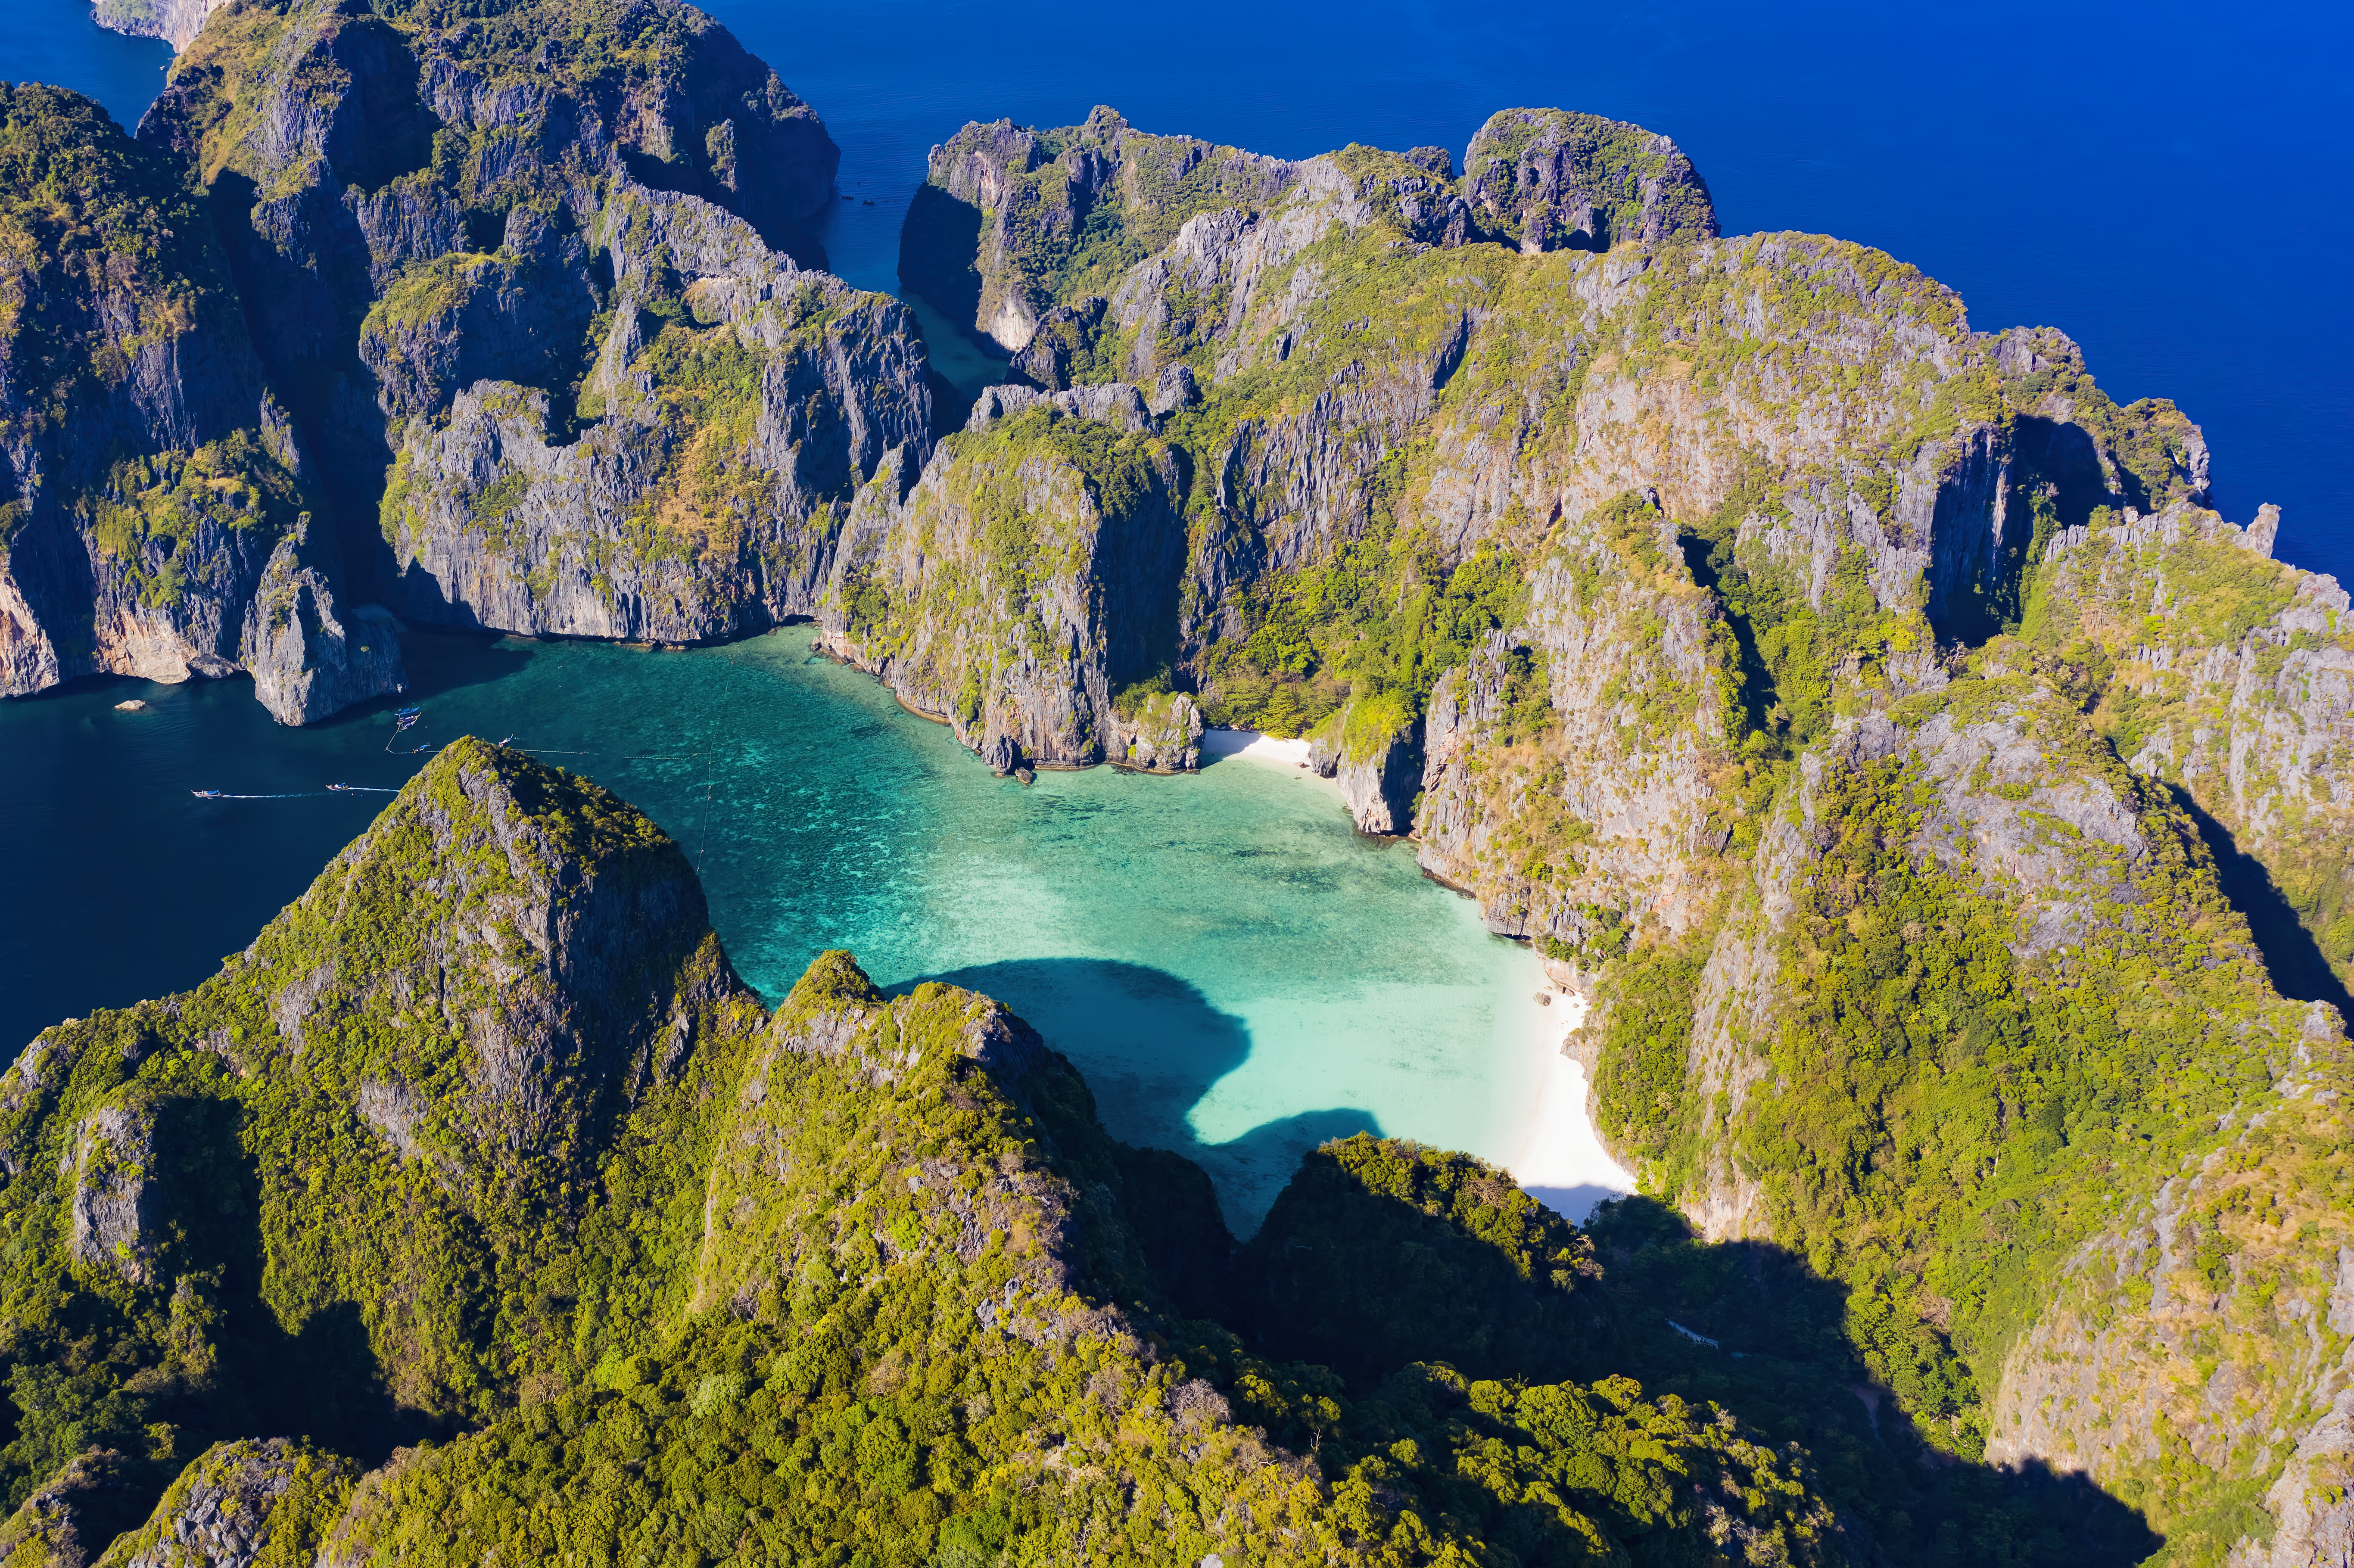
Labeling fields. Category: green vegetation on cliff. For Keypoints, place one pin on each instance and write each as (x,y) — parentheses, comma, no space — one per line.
(85,210)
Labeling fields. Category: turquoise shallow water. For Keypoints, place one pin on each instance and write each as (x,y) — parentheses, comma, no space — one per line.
(1238,974)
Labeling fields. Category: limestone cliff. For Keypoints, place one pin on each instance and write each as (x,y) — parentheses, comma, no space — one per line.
(1399,444)
(470,1026)
(72,1515)
(175,22)
(1989,973)
(742,403)
(1013,223)
(155,519)
(1550,180)
(1022,584)
(549,328)
(2194,1358)
(2230,676)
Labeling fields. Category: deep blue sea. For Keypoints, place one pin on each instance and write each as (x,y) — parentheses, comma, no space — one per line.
(1239,975)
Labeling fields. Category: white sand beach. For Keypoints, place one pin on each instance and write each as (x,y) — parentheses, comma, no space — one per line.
(1266,750)
(1558,1158)
(1561,1161)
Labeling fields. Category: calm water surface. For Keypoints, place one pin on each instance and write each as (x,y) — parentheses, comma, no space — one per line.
(1239,975)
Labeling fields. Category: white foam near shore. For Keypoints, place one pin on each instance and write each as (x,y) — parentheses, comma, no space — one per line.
(1561,1161)
(1266,750)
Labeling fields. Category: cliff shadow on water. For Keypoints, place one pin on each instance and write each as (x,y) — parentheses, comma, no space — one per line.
(1151,1047)
(442,660)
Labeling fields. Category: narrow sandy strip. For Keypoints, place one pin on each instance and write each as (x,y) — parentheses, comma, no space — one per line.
(1561,1160)
(1266,750)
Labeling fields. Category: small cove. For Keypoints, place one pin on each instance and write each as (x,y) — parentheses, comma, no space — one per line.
(1238,974)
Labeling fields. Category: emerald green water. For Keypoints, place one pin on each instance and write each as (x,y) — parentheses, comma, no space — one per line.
(1238,974)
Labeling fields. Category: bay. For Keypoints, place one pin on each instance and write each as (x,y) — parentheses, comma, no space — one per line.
(1239,974)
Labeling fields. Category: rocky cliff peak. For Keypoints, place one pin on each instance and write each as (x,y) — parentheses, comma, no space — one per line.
(1555,180)
(505,953)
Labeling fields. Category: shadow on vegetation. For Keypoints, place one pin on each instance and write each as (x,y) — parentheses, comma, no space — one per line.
(249,1375)
(1366,1283)
(2300,971)
(1783,1362)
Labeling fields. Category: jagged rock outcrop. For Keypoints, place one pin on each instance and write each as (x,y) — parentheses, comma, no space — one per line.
(1572,763)
(1370,749)
(1549,180)
(154,500)
(557,939)
(71,1516)
(708,497)
(115,1172)
(242,1503)
(2311,1504)
(998,196)
(2232,676)
(467,1026)
(311,658)
(548,331)
(1410,397)
(1024,581)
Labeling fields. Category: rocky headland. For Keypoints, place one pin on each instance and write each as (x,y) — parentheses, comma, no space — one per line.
(1647,576)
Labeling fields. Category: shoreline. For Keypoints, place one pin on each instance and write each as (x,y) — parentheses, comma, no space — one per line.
(1267,751)
(1560,1161)
(1557,1155)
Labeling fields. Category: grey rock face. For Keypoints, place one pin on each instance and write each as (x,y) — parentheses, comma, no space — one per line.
(1020,628)
(707,498)
(2239,681)
(999,193)
(573,973)
(1373,751)
(1552,180)
(308,659)
(154,503)
(487,461)
(225,1509)
(173,21)
(112,1166)
(2312,1503)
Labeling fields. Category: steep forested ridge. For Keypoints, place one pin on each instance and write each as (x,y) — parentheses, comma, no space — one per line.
(1942,808)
